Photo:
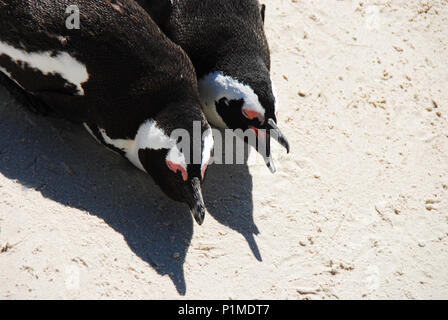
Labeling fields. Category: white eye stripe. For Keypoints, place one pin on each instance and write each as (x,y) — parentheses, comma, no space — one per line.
(49,63)
(149,136)
(177,157)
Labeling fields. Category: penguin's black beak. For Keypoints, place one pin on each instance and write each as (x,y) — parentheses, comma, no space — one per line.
(275,133)
(267,156)
(272,131)
(194,199)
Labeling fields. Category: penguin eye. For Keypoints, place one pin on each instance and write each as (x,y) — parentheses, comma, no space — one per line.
(177,167)
(224,101)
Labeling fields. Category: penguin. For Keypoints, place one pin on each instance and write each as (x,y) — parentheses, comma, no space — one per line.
(226,41)
(97,75)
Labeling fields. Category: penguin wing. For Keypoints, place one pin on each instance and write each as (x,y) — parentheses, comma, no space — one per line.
(40,94)
(66,105)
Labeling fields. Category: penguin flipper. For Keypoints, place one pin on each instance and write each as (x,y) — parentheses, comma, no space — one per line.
(63,104)
(26,99)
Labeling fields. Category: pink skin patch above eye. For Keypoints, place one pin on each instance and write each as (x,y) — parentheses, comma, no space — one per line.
(250,114)
(176,167)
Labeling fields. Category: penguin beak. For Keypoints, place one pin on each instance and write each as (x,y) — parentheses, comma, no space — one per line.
(195,200)
(263,146)
(272,131)
(267,156)
(275,133)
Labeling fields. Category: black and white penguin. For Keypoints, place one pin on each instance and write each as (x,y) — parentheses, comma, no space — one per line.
(226,41)
(98,75)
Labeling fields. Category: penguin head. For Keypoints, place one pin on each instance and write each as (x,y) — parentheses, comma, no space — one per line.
(244,102)
(177,158)
(231,55)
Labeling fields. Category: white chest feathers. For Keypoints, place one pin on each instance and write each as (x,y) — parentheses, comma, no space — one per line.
(216,85)
(49,63)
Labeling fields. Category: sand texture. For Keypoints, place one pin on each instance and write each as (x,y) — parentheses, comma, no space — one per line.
(359,209)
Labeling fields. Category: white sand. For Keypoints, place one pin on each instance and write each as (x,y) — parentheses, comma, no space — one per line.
(358,210)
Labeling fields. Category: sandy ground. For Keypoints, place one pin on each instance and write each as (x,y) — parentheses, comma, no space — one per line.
(358,210)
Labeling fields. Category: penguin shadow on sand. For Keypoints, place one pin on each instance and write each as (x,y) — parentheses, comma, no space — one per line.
(62,161)
(228,194)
